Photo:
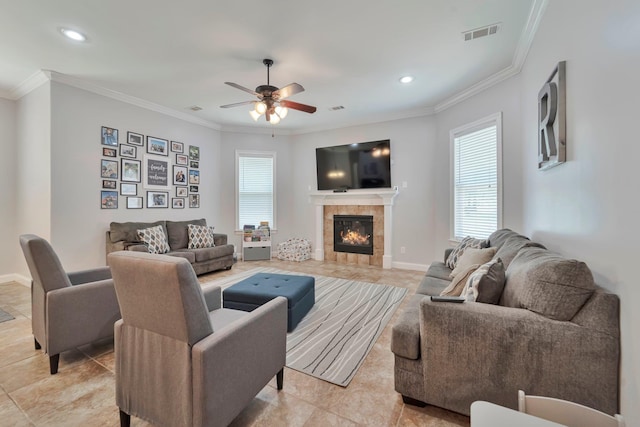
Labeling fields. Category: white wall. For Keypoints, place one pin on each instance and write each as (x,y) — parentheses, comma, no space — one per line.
(414,161)
(8,145)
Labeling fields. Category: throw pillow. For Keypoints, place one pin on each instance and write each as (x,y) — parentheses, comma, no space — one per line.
(467,242)
(155,239)
(486,283)
(473,256)
(200,236)
(457,284)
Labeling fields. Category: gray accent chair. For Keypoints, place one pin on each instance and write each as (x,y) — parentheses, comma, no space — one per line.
(181,359)
(67,309)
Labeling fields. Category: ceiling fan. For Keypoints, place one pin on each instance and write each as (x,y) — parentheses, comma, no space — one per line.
(272,101)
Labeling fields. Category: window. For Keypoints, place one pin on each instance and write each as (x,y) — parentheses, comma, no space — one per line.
(255,188)
(476,178)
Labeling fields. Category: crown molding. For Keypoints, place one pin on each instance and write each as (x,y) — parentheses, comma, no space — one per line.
(33,82)
(257,130)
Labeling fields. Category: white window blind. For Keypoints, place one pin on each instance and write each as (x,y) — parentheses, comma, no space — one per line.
(476,180)
(255,188)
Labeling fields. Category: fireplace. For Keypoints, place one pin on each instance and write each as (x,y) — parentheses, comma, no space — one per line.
(353,234)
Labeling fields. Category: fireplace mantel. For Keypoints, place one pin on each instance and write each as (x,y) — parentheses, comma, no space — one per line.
(383,197)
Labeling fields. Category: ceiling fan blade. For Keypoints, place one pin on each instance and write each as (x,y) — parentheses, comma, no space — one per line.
(237,104)
(288,90)
(237,86)
(297,106)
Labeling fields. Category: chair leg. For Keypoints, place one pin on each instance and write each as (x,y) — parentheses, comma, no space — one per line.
(37,344)
(411,401)
(125,419)
(280,378)
(53,363)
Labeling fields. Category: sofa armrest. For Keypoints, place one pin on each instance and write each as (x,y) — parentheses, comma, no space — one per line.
(219,239)
(92,275)
(212,296)
(475,351)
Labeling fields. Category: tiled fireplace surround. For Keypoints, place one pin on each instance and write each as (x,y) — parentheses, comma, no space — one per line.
(377,203)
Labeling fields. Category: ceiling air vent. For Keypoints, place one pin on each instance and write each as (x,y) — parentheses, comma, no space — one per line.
(336,108)
(481,32)
(195,108)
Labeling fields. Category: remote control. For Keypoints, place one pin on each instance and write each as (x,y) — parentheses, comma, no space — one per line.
(438,298)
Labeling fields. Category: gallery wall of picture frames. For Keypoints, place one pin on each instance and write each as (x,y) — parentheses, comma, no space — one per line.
(148,172)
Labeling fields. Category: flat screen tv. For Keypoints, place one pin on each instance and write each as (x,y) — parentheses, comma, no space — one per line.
(352,166)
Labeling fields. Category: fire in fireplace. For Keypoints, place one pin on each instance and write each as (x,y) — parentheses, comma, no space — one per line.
(353,233)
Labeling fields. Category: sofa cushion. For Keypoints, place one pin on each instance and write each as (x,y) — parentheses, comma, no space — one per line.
(498,237)
(178,233)
(458,283)
(128,231)
(206,254)
(200,236)
(184,253)
(547,284)
(486,283)
(405,334)
(155,239)
(473,256)
(432,285)
(439,270)
(511,246)
(467,242)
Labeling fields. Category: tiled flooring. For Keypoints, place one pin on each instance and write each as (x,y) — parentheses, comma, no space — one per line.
(82,393)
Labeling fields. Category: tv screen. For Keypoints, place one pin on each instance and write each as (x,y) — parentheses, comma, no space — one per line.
(362,165)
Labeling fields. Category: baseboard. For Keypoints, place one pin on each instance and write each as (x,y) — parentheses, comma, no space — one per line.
(409,266)
(18,278)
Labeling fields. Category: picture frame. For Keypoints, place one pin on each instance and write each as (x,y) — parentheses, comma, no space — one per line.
(128,151)
(194,164)
(109,200)
(194,200)
(134,203)
(194,152)
(193,189)
(177,203)
(157,199)
(109,169)
(194,176)
(177,147)
(128,189)
(182,159)
(180,175)
(135,139)
(156,173)
(131,170)
(109,136)
(109,152)
(182,192)
(157,146)
(108,184)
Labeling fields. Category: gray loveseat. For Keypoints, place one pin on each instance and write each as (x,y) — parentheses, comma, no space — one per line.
(554,333)
(123,236)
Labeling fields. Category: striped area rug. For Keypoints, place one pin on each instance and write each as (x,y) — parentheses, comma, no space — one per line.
(4,316)
(334,338)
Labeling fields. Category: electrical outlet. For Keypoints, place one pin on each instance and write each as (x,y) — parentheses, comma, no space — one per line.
(403,249)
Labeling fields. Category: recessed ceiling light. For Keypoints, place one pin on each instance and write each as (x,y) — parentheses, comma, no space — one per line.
(406,79)
(73,34)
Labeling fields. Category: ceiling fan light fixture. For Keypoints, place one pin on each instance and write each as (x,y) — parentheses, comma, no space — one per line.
(275,119)
(282,111)
(254,115)
(260,107)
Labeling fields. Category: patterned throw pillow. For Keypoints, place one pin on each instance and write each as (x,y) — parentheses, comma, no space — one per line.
(200,236)
(486,283)
(467,242)
(459,282)
(155,239)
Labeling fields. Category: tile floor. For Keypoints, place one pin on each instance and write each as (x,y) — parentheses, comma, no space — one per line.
(82,393)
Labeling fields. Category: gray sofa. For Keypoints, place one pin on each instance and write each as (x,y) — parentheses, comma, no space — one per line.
(554,333)
(123,236)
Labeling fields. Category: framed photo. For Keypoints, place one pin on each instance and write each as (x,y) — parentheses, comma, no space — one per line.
(194,152)
(177,147)
(111,185)
(130,170)
(194,176)
(109,152)
(157,199)
(156,173)
(181,192)
(128,189)
(194,200)
(194,164)
(179,175)
(134,202)
(157,146)
(109,169)
(109,199)
(135,139)
(182,159)
(177,203)
(128,151)
(109,136)
(193,189)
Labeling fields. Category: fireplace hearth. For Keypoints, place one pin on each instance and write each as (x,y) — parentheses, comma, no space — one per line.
(353,234)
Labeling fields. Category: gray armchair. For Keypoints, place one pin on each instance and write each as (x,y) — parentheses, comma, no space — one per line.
(67,309)
(181,359)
